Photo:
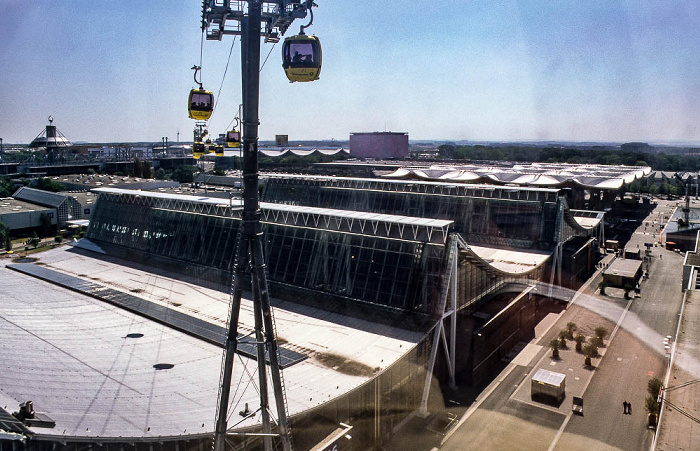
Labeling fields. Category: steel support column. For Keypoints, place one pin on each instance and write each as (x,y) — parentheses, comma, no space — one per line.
(250,254)
(449,288)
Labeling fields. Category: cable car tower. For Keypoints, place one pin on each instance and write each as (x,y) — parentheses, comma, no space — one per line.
(269,19)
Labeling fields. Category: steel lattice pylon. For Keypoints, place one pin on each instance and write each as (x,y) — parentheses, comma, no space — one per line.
(269,19)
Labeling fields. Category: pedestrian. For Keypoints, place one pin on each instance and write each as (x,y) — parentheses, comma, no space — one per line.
(624,407)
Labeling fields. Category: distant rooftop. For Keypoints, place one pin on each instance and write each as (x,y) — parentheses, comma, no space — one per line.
(75,182)
(623,267)
(39,197)
(12,205)
(532,174)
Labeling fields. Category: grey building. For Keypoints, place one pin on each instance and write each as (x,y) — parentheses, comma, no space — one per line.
(62,207)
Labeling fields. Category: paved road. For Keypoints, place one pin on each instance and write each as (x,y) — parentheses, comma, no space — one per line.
(634,355)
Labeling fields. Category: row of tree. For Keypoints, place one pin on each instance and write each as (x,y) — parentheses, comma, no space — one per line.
(573,155)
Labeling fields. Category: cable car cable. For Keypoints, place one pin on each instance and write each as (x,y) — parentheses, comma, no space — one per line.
(223,78)
(201,48)
(268,55)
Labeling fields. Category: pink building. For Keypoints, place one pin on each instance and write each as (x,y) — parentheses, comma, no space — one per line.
(379,145)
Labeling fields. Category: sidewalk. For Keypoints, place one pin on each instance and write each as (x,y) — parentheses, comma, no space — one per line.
(570,362)
(678,427)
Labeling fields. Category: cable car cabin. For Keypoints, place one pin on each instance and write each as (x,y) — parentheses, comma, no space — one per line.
(233,138)
(201,104)
(301,58)
(219,151)
(197,150)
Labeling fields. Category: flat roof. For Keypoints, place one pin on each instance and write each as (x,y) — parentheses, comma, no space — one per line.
(623,267)
(509,260)
(12,205)
(96,180)
(548,377)
(84,197)
(89,365)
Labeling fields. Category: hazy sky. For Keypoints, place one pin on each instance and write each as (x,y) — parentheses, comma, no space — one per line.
(477,70)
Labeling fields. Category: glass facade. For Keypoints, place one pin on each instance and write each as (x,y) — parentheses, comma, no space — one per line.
(487,215)
(394,273)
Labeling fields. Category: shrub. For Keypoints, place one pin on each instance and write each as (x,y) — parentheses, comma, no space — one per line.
(590,350)
(601,332)
(58,238)
(554,344)
(654,387)
(651,405)
(562,338)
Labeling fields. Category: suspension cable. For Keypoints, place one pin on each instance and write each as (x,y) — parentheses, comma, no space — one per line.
(228,61)
(268,55)
(201,49)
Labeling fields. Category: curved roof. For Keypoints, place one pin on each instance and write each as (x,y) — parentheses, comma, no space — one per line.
(50,137)
(594,176)
(300,151)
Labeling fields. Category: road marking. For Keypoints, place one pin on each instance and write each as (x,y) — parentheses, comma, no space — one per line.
(559,433)
(476,405)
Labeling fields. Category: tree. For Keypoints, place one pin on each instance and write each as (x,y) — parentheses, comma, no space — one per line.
(146,170)
(447,150)
(580,339)
(571,327)
(563,334)
(183,174)
(5,240)
(600,332)
(7,187)
(46,225)
(554,344)
(590,351)
(654,386)
(160,174)
(138,167)
(34,240)
(47,184)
